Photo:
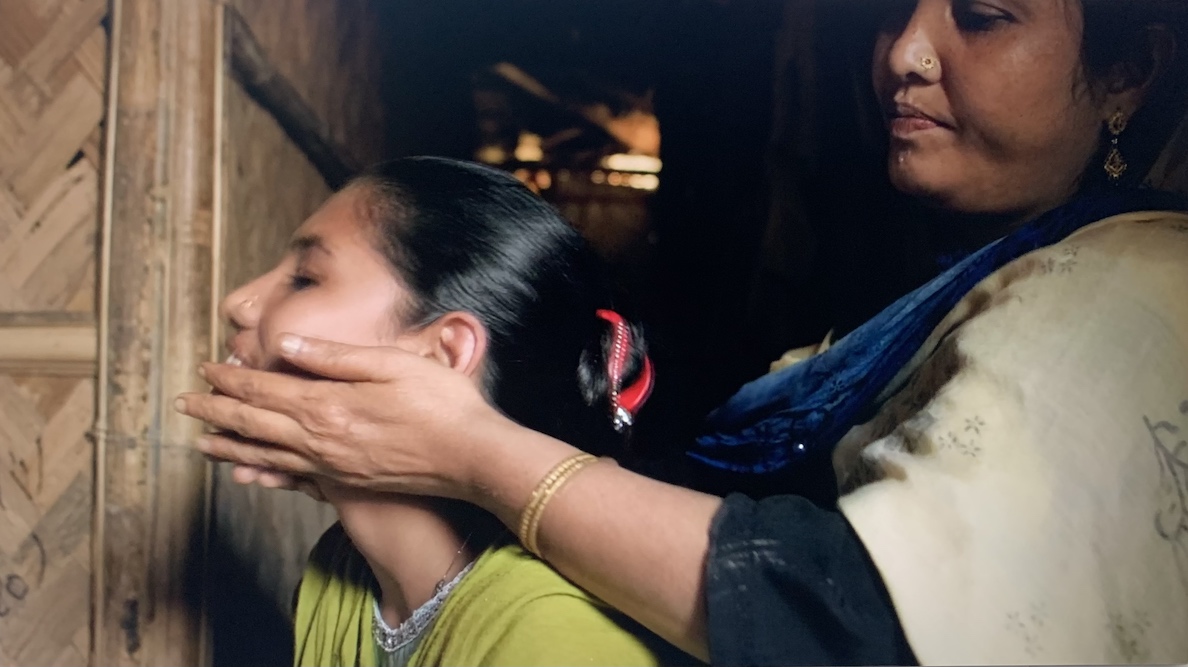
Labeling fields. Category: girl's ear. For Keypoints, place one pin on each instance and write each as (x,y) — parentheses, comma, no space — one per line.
(457,340)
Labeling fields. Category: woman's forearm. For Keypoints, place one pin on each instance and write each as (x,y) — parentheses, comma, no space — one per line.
(638,544)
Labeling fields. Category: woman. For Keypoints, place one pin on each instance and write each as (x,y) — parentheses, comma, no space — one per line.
(461,265)
(1008,438)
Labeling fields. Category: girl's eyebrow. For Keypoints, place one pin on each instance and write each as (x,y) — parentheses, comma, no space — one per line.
(303,245)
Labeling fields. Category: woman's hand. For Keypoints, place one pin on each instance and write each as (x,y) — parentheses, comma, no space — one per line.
(375,418)
(392,421)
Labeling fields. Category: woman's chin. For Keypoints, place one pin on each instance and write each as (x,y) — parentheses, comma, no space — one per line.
(961,199)
(915,182)
(941,186)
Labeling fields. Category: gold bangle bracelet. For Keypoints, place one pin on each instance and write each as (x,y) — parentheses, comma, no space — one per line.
(534,499)
(547,495)
(552,482)
(529,520)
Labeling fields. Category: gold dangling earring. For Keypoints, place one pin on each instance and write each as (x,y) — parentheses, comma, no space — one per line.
(1115,164)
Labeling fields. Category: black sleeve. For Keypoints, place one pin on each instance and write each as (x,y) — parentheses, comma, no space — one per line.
(789,583)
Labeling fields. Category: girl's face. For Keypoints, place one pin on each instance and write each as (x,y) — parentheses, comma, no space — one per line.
(331,284)
(987,103)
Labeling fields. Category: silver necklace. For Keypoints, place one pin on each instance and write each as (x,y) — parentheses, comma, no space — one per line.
(393,639)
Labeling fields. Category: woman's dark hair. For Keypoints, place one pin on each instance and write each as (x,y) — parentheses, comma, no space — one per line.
(464,237)
(1117,34)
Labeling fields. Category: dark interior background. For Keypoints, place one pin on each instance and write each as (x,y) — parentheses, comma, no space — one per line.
(736,114)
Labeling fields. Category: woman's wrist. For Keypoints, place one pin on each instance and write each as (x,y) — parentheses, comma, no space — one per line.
(509,463)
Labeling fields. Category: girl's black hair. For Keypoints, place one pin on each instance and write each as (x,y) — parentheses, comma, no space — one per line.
(465,237)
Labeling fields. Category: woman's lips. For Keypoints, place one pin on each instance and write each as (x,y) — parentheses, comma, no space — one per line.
(905,119)
(905,126)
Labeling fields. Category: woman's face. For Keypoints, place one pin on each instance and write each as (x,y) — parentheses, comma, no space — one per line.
(987,104)
(331,284)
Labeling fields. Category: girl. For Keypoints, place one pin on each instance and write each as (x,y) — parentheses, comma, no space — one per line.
(460,264)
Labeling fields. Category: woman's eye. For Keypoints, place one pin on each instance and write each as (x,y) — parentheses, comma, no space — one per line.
(978,17)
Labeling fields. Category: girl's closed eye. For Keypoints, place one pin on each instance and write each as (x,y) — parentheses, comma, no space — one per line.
(300,281)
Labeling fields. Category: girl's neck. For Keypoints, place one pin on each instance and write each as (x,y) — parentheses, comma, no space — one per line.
(408,562)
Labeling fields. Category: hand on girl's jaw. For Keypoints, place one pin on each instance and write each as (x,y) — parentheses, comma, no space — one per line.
(375,418)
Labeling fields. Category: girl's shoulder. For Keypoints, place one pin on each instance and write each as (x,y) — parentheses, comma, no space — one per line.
(509,573)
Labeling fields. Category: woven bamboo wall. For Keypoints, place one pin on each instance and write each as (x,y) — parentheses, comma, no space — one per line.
(52,74)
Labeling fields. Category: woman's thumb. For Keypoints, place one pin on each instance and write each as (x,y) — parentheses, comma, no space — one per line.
(338,361)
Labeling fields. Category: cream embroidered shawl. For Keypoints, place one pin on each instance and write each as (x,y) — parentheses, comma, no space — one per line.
(1024,490)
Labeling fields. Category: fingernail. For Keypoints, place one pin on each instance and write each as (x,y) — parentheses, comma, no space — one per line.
(202,371)
(179,405)
(290,344)
(202,445)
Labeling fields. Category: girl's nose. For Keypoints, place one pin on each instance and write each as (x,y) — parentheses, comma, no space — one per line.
(241,308)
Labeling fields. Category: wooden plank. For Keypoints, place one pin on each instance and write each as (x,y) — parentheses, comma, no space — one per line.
(154,329)
(49,318)
(68,350)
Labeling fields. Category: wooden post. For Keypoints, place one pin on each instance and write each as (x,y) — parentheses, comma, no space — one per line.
(154,327)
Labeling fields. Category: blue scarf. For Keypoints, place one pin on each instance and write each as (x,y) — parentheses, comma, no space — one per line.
(801,412)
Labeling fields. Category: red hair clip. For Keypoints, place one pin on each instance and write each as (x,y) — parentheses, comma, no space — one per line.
(625,401)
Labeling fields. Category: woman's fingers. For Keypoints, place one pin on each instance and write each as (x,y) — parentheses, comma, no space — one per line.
(255,455)
(405,426)
(276,480)
(271,479)
(227,413)
(241,474)
(267,390)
